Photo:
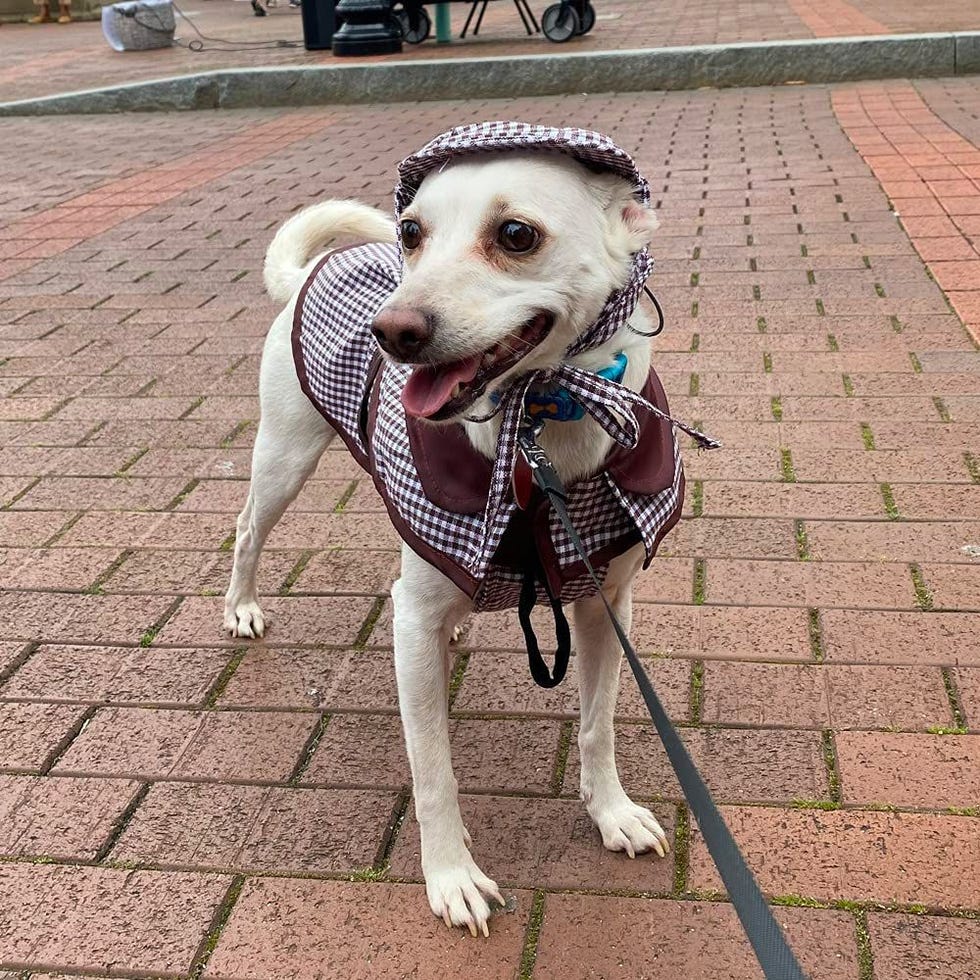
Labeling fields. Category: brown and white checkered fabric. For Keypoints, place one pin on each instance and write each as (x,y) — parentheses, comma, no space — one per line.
(334,350)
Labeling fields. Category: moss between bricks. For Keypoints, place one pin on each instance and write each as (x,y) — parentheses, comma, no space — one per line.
(225,677)
(815,634)
(235,433)
(21,493)
(217,926)
(866,960)
(345,497)
(561,757)
(802,544)
(459,669)
(830,761)
(830,805)
(923,595)
(700,582)
(786,465)
(534,922)
(151,633)
(697,498)
(297,570)
(183,495)
(364,633)
(953,694)
(888,497)
(682,850)
(696,700)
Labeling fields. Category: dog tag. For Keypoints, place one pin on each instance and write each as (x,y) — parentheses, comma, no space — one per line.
(523,483)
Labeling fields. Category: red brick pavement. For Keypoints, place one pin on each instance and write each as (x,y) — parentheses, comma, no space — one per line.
(174,804)
(931,175)
(47,59)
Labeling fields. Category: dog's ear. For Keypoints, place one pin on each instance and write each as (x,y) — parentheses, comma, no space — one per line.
(640,222)
(631,224)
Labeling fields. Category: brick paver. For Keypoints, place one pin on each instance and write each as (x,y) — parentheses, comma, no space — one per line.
(101,919)
(173,803)
(299,929)
(623,938)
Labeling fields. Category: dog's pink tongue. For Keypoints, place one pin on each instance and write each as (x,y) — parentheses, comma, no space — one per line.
(429,388)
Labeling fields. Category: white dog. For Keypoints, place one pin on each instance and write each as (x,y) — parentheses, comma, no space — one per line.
(510,256)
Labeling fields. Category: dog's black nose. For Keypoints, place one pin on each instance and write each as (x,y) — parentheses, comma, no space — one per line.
(403,333)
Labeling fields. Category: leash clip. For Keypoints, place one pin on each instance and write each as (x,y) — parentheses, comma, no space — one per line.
(541,469)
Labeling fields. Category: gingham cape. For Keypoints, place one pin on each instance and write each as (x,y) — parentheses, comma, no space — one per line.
(435,485)
(461,517)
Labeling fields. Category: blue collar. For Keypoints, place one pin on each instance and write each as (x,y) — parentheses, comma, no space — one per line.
(558,403)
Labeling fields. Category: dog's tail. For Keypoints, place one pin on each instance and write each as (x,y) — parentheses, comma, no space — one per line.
(312,230)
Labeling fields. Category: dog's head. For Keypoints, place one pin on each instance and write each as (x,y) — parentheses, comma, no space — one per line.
(508,258)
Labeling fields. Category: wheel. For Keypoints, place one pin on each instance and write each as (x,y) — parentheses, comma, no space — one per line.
(420,33)
(560,22)
(588,20)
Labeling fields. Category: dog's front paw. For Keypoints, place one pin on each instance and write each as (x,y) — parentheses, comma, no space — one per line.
(244,619)
(627,827)
(458,895)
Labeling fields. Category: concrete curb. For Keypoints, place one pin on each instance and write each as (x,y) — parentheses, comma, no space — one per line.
(716,65)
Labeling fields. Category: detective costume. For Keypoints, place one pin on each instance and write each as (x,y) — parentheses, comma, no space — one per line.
(449,503)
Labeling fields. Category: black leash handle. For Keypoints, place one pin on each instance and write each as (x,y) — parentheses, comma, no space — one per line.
(539,669)
(768,942)
(534,573)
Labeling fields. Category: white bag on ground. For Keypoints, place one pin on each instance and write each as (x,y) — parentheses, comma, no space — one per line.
(139,25)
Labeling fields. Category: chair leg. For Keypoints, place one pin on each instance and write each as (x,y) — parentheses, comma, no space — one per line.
(530,13)
(520,10)
(469,17)
(479,20)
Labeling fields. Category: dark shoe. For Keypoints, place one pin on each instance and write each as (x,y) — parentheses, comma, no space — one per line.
(258,9)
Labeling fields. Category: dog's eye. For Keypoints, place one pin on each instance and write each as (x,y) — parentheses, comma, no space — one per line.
(516,236)
(411,233)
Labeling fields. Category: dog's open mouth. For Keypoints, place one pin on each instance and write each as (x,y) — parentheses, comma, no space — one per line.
(440,391)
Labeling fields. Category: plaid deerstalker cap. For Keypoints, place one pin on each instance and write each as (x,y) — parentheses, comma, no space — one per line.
(592,149)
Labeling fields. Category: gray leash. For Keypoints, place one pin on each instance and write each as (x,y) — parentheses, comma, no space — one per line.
(771,949)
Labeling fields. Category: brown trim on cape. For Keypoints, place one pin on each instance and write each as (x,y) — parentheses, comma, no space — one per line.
(455,573)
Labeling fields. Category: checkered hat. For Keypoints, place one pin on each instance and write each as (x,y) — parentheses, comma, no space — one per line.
(596,151)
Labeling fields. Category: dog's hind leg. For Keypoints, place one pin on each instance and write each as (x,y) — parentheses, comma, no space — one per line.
(623,824)
(291,438)
(427,608)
